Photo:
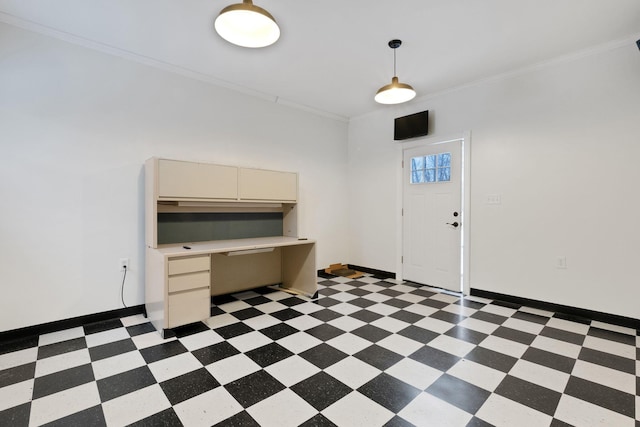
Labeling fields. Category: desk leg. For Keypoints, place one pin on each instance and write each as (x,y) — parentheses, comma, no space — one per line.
(299,274)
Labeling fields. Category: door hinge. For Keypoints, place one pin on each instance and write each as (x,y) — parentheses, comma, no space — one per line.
(403,164)
(402,260)
(402,212)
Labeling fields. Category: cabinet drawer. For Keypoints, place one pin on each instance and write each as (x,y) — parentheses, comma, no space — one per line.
(189,281)
(189,307)
(189,265)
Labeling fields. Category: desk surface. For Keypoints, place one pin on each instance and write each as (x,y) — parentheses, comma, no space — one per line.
(231,245)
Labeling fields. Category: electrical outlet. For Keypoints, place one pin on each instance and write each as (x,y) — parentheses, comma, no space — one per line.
(561,262)
(124,263)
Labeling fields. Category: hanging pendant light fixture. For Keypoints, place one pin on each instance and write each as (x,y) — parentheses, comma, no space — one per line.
(247,25)
(396,92)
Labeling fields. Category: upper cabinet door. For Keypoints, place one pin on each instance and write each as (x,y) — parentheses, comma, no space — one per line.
(188,180)
(257,184)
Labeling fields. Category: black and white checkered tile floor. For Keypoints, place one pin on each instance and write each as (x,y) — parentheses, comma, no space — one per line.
(366,353)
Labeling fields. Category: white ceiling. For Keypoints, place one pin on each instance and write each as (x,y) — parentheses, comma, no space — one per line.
(333,55)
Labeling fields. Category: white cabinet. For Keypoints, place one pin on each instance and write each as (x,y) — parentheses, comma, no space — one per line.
(189,180)
(188,290)
(184,265)
(179,187)
(189,307)
(258,184)
(179,280)
(179,180)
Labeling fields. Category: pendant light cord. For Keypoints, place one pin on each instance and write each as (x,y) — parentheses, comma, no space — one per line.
(394,63)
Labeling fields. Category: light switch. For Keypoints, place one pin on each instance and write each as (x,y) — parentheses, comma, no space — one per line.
(493,199)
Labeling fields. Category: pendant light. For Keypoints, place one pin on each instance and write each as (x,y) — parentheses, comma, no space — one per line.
(396,92)
(247,25)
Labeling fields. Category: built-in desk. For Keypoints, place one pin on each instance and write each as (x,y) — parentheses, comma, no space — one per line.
(201,205)
(180,281)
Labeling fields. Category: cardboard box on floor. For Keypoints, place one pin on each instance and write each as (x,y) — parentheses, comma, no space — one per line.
(344,271)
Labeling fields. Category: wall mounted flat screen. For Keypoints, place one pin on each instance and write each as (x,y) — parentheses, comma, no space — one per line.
(411,126)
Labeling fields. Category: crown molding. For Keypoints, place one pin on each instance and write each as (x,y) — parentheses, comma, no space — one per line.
(162,65)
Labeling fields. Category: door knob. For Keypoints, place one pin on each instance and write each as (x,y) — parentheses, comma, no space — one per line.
(454,224)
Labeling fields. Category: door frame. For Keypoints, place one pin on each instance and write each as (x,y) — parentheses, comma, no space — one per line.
(465,139)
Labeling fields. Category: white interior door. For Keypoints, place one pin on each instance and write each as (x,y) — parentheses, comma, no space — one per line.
(432,215)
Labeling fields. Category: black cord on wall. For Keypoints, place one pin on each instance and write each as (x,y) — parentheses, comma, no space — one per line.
(124,276)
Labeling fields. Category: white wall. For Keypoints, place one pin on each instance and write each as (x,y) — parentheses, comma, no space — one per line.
(561,145)
(75,129)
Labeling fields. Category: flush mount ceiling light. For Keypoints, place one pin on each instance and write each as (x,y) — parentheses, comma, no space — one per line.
(247,25)
(396,92)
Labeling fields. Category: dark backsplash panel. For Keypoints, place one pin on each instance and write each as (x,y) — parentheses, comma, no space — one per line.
(202,227)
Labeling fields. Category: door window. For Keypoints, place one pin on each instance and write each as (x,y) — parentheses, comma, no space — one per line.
(431,168)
